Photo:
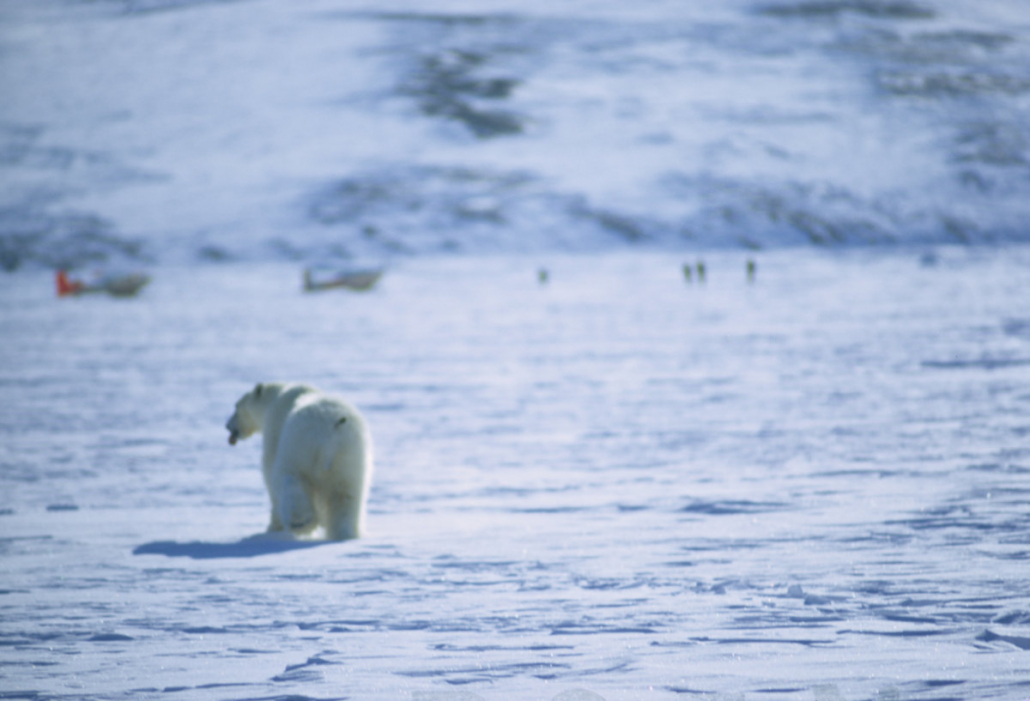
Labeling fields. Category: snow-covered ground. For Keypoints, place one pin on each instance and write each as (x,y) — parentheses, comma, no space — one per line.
(617,484)
(810,486)
(172,130)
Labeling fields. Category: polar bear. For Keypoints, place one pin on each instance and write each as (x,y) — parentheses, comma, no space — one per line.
(317,460)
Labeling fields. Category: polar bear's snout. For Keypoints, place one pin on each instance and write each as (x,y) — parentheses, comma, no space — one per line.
(234,432)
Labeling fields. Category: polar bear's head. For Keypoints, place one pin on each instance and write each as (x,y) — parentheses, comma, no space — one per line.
(249,414)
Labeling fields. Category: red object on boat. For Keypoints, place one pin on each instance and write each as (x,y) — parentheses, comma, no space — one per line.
(117,285)
(67,287)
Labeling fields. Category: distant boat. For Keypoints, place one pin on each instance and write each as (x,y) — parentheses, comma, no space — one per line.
(358,280)
(116,284)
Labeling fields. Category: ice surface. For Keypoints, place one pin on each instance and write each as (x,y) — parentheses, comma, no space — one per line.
(617,483)
(605,481)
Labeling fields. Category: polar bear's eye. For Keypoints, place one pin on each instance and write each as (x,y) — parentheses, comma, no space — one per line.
(341,421)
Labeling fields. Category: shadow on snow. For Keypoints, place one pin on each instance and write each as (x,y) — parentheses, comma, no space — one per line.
(252,546)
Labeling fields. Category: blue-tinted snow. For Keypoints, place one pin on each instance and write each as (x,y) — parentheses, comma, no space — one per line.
(618,484)
(810,486)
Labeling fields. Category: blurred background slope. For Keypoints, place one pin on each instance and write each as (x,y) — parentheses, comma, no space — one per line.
(196,130)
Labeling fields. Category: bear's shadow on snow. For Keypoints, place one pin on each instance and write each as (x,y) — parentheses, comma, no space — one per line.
(252,546)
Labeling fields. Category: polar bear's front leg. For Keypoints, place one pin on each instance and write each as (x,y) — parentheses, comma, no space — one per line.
(274,524)
(294,508)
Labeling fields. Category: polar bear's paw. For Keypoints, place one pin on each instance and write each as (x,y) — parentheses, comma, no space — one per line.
(303,527)
(302,522)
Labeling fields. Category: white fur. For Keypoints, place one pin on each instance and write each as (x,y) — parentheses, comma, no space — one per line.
(317,459)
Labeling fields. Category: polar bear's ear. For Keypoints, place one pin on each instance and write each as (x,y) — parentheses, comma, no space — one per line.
(257,390)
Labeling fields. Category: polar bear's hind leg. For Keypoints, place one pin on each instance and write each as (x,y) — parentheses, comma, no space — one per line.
(344,516)
(295,510)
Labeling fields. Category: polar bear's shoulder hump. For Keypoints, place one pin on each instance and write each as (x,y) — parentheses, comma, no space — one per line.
(296,393)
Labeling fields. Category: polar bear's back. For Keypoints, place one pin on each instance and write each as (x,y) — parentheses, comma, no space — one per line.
(327,433)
